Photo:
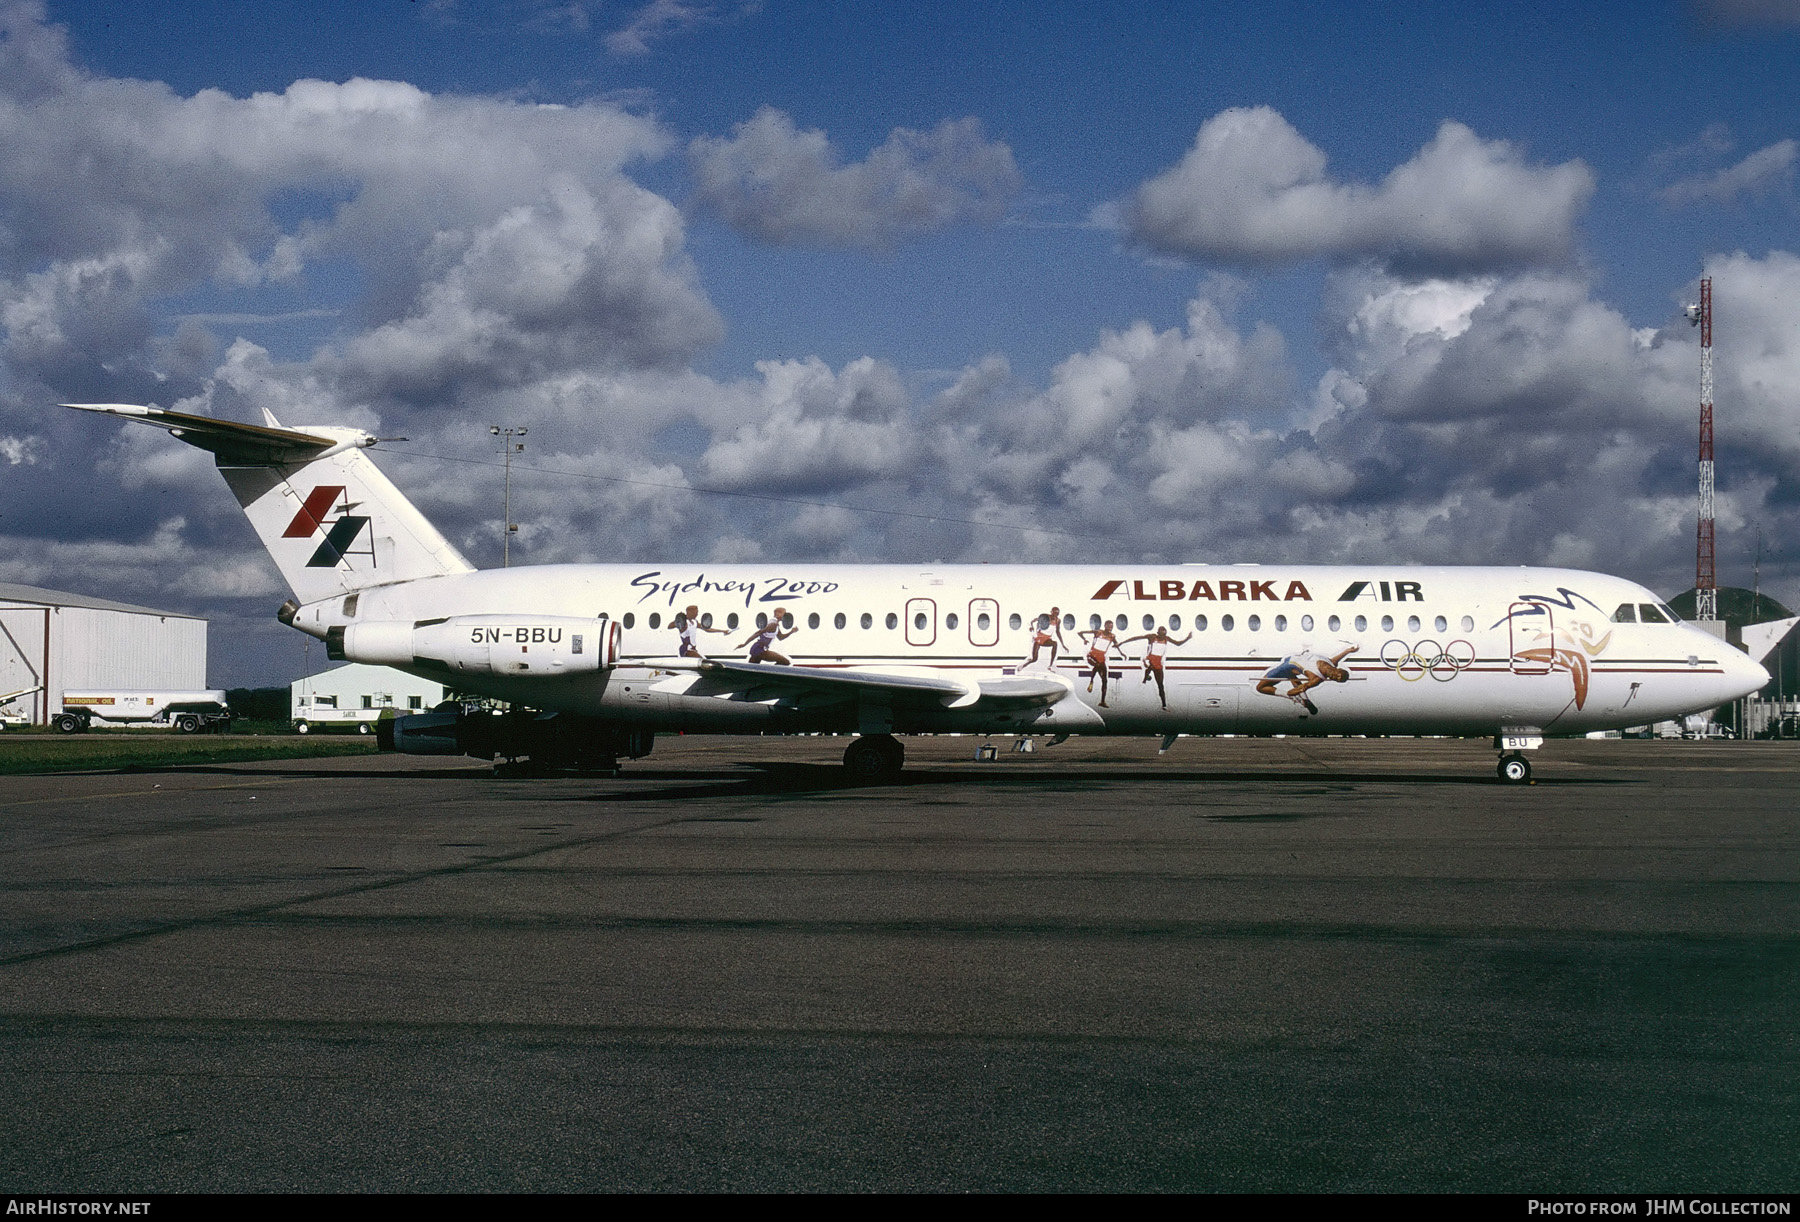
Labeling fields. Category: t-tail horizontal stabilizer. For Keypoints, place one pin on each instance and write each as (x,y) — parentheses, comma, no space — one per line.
(332,522)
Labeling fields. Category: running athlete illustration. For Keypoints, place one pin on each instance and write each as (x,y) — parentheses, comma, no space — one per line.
(1156,644)
(1042,635)
(688,627)
(1100,641)
(760,640)
(1304,670)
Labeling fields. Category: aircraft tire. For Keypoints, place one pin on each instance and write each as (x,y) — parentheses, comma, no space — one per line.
(1514,770)
(875,759)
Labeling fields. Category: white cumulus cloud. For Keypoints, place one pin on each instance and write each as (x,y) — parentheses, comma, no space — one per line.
(780,184)
(1760,172)
(1253,190)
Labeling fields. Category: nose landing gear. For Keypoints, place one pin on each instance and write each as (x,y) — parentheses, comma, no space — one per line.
(1514,769)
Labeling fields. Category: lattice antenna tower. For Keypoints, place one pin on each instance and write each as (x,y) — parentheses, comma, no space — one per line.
(1706,583)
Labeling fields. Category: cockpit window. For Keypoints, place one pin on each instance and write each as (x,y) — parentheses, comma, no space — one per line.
(1626,614)
(1650,615)
(1668,613)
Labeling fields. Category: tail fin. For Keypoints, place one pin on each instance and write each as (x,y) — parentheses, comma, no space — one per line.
(331,520)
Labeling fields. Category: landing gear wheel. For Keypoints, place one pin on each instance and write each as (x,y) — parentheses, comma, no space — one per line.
(875,759)
(1514,770)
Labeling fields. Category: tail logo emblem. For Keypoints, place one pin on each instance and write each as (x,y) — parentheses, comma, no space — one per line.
(320,503)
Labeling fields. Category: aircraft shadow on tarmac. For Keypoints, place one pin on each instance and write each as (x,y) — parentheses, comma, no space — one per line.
(753,777)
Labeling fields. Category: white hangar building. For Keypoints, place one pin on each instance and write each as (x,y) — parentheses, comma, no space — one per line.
(51,642)
(358,694)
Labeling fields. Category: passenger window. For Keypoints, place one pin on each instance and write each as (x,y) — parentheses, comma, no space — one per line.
(838,620)
(868,621)
(731,622)
(1093,623)
(1281,623)
(893,621)
(1441,624)
(812,621)
(1412,623)
(1174,623)
(655,620)
(1334,623)
(1626,614)
(1149,623)
(950,620)
(1199,623)
(1468,623)
(1014,622)
(1387,623)
(1123,624)
(1306,623)
(1648,614)
(1362,623)
(1225,622)
(630,620)
(706,620)
(983,622)
(762,619)
(1256,623)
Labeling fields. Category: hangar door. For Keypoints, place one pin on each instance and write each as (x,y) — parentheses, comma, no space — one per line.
(24,655)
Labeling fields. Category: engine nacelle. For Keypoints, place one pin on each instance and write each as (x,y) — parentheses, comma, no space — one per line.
(483,644)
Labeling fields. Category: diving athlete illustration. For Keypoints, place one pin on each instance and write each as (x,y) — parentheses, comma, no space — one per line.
(764,637)
(1156,645)
(1042,636)
(1304,670)
(1100,641)
(688,628)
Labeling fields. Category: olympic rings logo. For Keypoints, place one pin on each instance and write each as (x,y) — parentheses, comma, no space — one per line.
(1441,662)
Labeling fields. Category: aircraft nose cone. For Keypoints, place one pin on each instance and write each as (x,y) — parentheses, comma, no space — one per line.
(1750,675)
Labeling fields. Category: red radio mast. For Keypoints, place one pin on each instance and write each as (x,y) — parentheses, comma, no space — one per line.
(1706,585)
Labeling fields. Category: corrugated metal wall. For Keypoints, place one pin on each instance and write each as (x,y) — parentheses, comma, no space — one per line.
(94,648)
(22,657)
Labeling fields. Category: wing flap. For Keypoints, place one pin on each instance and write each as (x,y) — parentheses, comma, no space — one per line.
(819,684)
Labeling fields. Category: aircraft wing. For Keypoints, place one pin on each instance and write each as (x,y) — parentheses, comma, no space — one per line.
(818,684)
(234,443)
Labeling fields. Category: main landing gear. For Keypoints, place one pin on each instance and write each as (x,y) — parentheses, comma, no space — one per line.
(875,759)
(1514,769)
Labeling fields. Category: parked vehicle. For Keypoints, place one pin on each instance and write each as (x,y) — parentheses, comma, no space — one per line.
(11,716)
(188,712)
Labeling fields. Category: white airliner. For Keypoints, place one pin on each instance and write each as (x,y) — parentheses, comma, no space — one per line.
(604,655)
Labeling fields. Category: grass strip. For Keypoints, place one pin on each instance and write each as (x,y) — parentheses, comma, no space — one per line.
(41,753)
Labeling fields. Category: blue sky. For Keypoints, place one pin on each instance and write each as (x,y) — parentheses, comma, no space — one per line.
(1395,281)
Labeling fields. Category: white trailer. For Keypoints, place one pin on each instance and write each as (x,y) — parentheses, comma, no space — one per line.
(189,712)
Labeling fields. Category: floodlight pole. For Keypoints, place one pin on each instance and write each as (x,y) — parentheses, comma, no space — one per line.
(508,447)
